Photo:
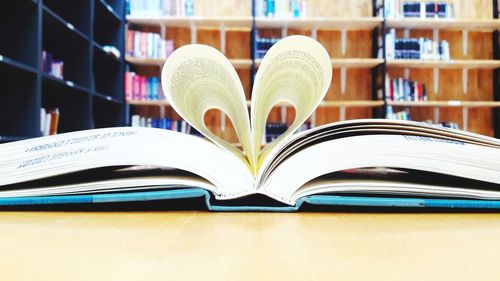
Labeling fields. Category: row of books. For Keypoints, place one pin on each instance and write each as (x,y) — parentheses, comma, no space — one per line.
(405,90)
(281,8)
(52,66)
(139,87)
(147,45)
(49,121)
(274,130)
(262,45)
(405,115)
(153,8)
(418,9)
(415,48)
(163,123)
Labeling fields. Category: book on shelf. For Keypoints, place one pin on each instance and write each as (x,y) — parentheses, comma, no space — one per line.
(418,9)
(165,123)
(415,48)
(281,8)
(369,162)
(401,89)
(156,8)
(262,45)
(142,88)
(52,66)
(147,45)
(405,115)
(49,121)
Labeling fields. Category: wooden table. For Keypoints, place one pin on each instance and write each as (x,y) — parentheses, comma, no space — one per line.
(248,246)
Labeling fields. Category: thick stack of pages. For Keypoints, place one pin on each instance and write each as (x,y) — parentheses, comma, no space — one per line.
(371,162)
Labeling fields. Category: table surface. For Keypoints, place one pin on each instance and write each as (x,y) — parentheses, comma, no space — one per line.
(248,246)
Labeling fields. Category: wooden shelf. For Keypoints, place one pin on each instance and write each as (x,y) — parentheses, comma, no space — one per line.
(344,103)
(450,103)
(361,23)
(453,64)
(352,103)
(149,103)
(444,24)
(347,63)
(356,62)
(237,63)
(198,22)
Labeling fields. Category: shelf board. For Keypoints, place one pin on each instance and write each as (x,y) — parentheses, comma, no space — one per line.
(360,23)
(4,139)
(107,98)
(199,22)
(444,24)
(352,103)
(356,62)
(237,63)
(16,64)
(452,64)
(64,83)
(347,63)
(148,103)
(450,103)
(344,103)
(68,25)
(101,50)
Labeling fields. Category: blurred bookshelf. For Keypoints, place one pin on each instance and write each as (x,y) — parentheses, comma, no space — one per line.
(84,82)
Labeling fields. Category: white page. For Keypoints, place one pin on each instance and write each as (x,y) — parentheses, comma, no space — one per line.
(433,155)
(297,70)
(65,153)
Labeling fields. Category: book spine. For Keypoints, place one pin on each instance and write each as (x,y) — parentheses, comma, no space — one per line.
(143,88)
(128,86)
(137,44)
(136,87)
(129,45)
(54,121)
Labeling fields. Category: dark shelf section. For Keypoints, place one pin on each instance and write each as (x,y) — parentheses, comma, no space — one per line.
(112,34)
(110,8)
(19,20)
(61,83)
(69,46)
(49,17)
(73,105)
(108,75)
(107,114)
(74,12)
(19,108)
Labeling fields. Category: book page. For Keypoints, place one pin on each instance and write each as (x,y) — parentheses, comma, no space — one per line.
(348,128)
(297,70)
(114,147)
(197,78)
(443,156)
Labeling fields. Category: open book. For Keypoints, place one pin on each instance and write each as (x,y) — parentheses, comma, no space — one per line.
(359,162)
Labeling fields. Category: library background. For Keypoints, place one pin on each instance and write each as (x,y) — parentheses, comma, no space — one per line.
(83,64)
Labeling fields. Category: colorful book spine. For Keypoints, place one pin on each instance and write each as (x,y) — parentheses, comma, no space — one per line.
(141,88)
(155,8)
(49,121)
(52,66)
(281,8)
(147,45)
